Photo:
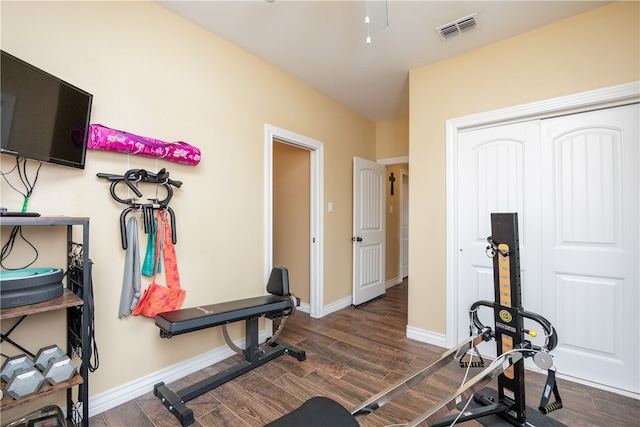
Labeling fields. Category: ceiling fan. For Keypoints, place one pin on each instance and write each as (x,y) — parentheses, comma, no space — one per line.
(376,16)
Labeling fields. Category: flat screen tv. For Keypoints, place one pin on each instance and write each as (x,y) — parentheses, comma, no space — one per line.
(43,117)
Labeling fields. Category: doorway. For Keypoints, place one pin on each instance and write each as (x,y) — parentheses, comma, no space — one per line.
(274,135)
(291,233)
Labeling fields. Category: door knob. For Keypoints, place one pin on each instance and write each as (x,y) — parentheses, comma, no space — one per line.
(356,239)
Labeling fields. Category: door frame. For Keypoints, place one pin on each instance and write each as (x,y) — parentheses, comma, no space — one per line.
(316,250)
(612,96)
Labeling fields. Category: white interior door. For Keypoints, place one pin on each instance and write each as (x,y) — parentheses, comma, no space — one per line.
(368,230)
(492,179)
(590,254)
(574,182)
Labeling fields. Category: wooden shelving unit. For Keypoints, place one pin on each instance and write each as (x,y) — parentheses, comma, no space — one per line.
(7,402)
(67,299)
(71,298)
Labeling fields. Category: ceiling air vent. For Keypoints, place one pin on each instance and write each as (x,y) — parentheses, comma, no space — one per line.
(458,26)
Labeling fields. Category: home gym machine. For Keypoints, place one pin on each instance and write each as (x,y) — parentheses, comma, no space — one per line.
(506,406)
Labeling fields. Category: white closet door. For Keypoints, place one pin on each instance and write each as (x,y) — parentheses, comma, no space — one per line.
(574,181)
(590,256)
(494,177)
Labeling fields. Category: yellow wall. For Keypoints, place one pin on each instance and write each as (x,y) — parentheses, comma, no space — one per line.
(593,50)
(392,138)
(155,74)
(291,213)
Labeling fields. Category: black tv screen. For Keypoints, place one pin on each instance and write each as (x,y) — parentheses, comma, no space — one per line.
(43,117)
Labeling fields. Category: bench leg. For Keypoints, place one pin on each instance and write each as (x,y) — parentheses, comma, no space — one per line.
(254,357)
(300,355)
(174,403)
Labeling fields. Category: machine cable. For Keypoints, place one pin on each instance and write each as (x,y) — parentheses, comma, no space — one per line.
(468,365)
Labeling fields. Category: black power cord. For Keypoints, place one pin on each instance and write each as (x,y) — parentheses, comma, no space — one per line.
(8,247)
(21,168)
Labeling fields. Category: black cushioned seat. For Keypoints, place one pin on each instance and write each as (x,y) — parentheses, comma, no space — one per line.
(317,412)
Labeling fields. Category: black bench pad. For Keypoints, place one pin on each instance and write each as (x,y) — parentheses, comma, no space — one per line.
(206,316)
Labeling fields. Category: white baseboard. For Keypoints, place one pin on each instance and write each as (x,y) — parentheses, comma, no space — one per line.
(345,302)
(338,305)
(136,388)
(598,386)
(393,282)
(304,307)
(427,336)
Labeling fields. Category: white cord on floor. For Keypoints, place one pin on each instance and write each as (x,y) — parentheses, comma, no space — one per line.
(464,380)
(462,411)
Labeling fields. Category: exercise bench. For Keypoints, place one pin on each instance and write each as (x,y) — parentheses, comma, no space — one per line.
(278,304)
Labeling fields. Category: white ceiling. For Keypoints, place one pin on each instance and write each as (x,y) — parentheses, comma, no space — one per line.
(323,43)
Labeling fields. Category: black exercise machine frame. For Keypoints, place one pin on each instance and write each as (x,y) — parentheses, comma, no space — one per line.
(509,315)
(280,303)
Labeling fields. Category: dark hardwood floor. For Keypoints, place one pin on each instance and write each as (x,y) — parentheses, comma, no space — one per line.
(353,354)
